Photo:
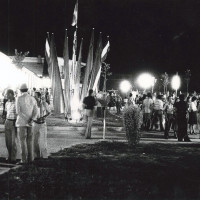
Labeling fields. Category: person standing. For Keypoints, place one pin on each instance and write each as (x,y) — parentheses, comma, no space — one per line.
(169,117)
(147,109)
(181,109)
(10,128)
(40,127)
(26,109)
(89,103)
(192,114)
(158,112)
(118,101)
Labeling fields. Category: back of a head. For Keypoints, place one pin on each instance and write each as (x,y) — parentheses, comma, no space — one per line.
(149,95)
(9,91)
(90,92)
(194,98)
(159,96)
(182,97)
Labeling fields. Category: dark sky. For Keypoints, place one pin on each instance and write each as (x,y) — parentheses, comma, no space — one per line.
(145,35)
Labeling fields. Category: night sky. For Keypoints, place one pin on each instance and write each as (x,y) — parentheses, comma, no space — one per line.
(145,35)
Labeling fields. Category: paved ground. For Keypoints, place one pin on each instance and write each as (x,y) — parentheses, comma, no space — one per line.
(63,137)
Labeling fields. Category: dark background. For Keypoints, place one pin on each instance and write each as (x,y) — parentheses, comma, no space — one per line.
(145,35)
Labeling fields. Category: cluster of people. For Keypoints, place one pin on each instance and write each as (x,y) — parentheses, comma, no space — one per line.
(169,112)
(25,122)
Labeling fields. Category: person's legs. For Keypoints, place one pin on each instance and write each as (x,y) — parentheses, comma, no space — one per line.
(8,138)
(36,134)
(23,137)
(166,135)
(14,145)
(154,118)
(160,116)
(43,140)
(30,144)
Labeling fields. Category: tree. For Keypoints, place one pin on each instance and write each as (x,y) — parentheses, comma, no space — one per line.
(19,57)
(187,78)
(165,81)
(105,73)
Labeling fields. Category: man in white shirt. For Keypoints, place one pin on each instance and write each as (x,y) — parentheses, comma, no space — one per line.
(26,108)
(147,108)
(158,112)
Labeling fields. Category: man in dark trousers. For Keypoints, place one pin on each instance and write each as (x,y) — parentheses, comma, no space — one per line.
(89,102)
(181,111)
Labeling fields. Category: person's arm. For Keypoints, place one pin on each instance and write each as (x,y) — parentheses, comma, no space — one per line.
(47,108)
(35,110)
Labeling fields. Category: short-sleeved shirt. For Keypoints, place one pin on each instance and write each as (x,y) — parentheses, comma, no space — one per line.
(90,102)
(147,105)
(158,104)
(10,108)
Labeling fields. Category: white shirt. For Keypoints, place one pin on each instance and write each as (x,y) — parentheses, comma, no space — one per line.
(147,105)
(26,108)
(158,104)
(192,107)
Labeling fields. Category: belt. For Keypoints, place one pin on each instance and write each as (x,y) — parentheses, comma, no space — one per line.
(38,122)
(12,120)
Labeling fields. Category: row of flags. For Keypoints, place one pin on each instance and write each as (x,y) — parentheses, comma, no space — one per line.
(64,98)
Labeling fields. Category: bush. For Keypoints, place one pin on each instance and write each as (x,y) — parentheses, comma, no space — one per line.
(132,122)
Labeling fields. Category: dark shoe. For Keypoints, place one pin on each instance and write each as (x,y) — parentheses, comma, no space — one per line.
(180,140)
(187,139)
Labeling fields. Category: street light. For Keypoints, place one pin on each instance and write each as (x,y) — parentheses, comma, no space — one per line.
(176,82)
(146,80)
(125,86)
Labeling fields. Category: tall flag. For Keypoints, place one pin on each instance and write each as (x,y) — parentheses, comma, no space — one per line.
(75,15)
(45,72)
(89,66)
(103,57)
(105,51)
(74,64)
(66,75)
(58,98)
(76,97)
(47,54)
(97,64)
(78,72)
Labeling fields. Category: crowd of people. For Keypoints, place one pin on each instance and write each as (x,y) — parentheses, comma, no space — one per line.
(25,117)
(25,123)
(167,112)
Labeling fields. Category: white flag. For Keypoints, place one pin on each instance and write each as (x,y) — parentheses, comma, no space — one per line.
(75,15)
(105,51)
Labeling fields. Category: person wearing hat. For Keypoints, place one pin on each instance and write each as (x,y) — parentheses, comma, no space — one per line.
(26,109)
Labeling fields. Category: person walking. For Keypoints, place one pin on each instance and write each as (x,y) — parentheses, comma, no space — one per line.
(40,127)
(147,107)
(26,109)
(181,109)
(89,103)
(10,128)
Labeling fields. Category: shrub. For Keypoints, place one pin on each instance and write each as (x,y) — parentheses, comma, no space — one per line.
(132,122)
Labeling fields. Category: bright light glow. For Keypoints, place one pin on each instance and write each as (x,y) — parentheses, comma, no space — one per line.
(125,86)
(176,82)
(146,80)
(10,76)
